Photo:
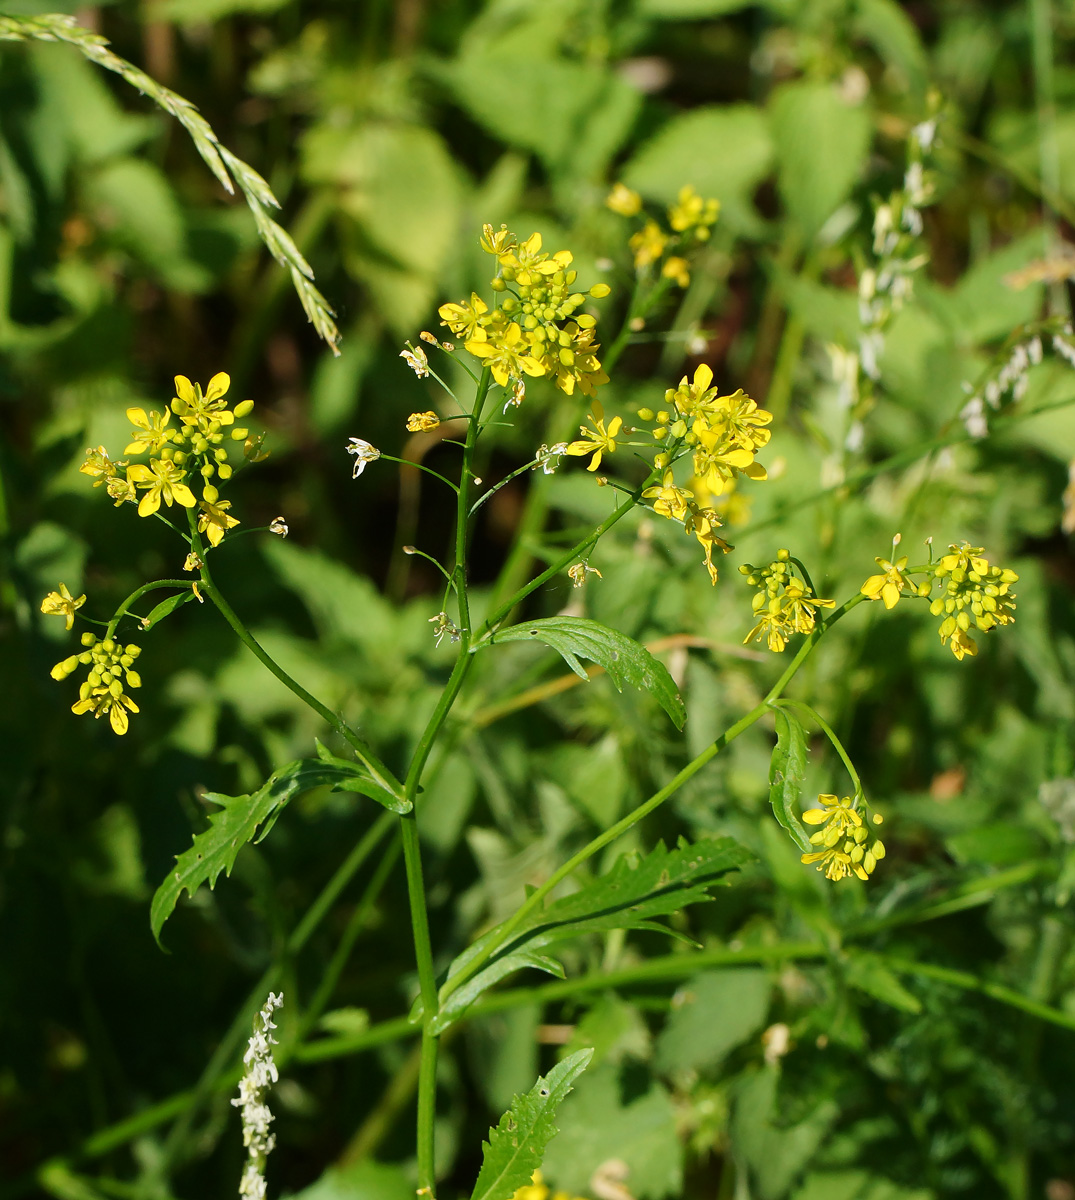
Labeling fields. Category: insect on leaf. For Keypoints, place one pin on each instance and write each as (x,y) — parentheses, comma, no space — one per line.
(517,1145)
(624,659)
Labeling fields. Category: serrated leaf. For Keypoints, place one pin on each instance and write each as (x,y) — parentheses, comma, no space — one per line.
(636,890)
(624,659)
(787,770)
(517,1145)
(249,818)
(167,607)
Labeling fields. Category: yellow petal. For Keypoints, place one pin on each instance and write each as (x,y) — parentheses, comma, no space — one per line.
(150,502)
(117,714)
(218,386)
(184,389)
(182,495)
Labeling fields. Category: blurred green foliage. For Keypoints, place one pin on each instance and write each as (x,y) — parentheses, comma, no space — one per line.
(849,1043)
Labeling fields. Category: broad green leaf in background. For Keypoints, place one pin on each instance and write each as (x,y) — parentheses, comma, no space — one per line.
(886,24)
(516,1147)
(712,1014)
(724,152)
(821,147)
(775,1152)
(636,890)
(573,115)
(618,1114)
(249,818)
(690,10)
(787,770)
(622,657)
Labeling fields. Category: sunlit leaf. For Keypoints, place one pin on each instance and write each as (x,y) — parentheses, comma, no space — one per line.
(787,770)
(517,1145)
(624,659)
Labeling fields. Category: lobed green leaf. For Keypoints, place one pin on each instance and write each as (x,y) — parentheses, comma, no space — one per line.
(517,1145)
(249,818)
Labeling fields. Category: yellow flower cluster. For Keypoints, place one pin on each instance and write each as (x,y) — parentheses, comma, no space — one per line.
(975,592)
(725,432)
(102,690)
(842,839)
(690,220)
(178,454)
(537,330)
(783,605)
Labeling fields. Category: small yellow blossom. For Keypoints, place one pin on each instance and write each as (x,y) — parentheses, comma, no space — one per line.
(500,242)
(668,500)
(842,839)
(364,453)
(190,403)
(419,422)
(192,562)
(691,212)
(623,200)
(677,269)
(888,586)
(599,440)
(99,466)
(163,480)
(704,522)
(150,432)
(213,518)
(62,604)
(508,357)
(648,244)
(278,526)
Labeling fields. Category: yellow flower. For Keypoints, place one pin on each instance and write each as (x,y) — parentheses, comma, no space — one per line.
(888,586)
(418,422)
(647,244)
(703,522)
(508,356)
(62,604)
(668,500)
(598,440)
(692,212)
(99,466)
(164,480)
(150,432)
(678,270)
(121,490)
(500,242)
(838,815)
(213,519)
(578,571)
(191,403)
(417,359)
(623,200)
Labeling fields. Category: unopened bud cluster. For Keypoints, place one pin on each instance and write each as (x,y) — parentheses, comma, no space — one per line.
(784,603)
(975,593)
(103,689)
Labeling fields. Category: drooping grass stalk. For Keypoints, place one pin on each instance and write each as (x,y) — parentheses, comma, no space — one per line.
(225,166)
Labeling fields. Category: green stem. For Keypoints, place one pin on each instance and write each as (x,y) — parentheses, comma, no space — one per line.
(138,593)
(537,897)
(373,764)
